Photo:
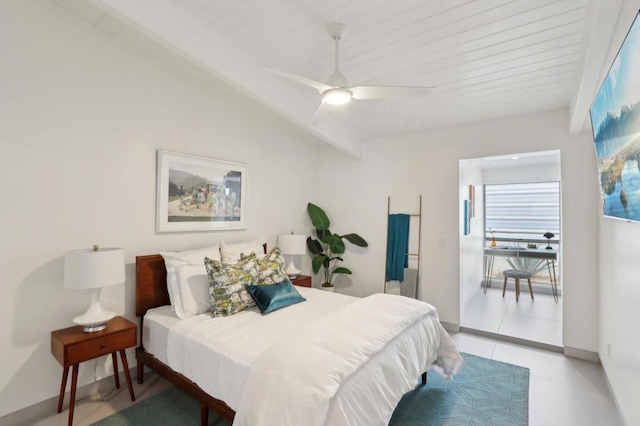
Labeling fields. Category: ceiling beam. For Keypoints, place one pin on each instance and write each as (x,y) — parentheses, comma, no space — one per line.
(600,25)
(164,22)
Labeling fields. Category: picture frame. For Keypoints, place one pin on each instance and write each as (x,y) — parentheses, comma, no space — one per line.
(199,194)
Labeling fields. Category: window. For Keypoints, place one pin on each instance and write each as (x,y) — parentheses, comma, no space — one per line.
(522,212)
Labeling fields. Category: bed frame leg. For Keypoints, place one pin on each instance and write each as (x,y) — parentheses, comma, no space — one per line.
(424,378)
(140,366)
(204,415)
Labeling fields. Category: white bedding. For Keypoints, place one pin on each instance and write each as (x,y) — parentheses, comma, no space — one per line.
(305,386)
(218,355)
(155,331)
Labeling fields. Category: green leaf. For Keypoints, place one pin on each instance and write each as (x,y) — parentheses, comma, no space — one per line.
(323,233)
(318,217)
(317,262)
(356,240)
(336,245)
(342,270)
(328,238)
(314,246)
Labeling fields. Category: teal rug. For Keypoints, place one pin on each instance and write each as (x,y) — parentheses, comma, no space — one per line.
(484,392)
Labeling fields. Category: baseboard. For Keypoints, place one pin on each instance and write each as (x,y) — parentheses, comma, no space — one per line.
(613,396)
(510,339)
(450,327)
(581,354)
(48,407)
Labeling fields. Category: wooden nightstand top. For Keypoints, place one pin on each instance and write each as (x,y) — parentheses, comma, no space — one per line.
(302,281)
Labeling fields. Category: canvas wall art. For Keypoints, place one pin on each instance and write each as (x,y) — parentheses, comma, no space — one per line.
(615,121)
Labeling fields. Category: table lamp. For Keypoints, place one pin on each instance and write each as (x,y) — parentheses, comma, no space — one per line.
(292,244)
(92,269)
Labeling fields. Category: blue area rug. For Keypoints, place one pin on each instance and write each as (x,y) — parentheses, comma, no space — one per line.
(484,392)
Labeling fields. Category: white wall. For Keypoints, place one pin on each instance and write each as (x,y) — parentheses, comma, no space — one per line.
(525,174)
(471,256)
(82,118)
(619,281)
(354,193)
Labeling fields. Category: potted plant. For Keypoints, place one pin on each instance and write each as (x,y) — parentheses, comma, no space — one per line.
(328,247)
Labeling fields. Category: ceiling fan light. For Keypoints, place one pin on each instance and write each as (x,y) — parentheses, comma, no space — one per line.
(337,96)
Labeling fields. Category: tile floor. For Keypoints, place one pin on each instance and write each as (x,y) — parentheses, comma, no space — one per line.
(562,390)
(538,320)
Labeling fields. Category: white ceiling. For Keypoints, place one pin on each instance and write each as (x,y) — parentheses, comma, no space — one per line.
(485,59)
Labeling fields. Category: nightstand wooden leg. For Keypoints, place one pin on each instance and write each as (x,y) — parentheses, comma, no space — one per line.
(74,383)
(114,359)
(127,374)
(65,374)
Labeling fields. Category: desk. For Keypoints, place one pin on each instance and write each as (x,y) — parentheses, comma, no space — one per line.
(550,256)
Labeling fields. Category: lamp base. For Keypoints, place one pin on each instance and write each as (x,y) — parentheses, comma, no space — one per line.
(96,317)
(291,270)
(96,327)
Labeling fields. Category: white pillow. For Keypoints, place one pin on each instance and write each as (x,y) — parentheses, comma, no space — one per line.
(231,252)
(187,257)
(192,295)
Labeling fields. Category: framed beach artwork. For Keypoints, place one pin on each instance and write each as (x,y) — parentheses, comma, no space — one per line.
(199,194)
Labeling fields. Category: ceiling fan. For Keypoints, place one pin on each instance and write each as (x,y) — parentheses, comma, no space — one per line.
(337,90)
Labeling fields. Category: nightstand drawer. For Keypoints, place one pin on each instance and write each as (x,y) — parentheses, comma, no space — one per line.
(83,351)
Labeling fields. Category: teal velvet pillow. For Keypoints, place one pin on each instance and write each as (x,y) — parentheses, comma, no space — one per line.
(274,296)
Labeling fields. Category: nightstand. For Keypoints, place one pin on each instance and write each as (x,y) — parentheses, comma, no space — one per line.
(302,281)
(71,346)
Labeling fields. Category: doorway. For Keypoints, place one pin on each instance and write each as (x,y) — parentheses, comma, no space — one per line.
(517,200)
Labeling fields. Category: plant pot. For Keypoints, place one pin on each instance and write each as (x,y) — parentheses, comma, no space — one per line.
(328,287)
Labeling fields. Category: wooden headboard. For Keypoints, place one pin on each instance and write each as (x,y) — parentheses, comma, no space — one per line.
(151,283)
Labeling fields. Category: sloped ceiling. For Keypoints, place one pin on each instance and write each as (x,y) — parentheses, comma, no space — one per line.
(485,59)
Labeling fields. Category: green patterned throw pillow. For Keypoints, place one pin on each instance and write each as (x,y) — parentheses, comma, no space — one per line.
(271,267)
(227,285)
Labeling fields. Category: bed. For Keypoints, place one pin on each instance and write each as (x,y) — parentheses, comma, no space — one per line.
(295,365)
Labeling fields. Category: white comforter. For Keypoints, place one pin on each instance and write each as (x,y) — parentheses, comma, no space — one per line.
(334,360)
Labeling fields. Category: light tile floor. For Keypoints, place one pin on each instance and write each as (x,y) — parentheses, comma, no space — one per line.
(562,391)
(538,320)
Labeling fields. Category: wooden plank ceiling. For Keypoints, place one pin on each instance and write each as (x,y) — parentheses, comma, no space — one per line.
(485,58)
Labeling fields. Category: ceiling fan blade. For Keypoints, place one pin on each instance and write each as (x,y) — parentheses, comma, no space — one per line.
(385,92)
(320,112)
(320,87)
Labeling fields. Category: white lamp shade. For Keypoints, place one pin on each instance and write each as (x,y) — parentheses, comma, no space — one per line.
(86,269)
(292,244)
